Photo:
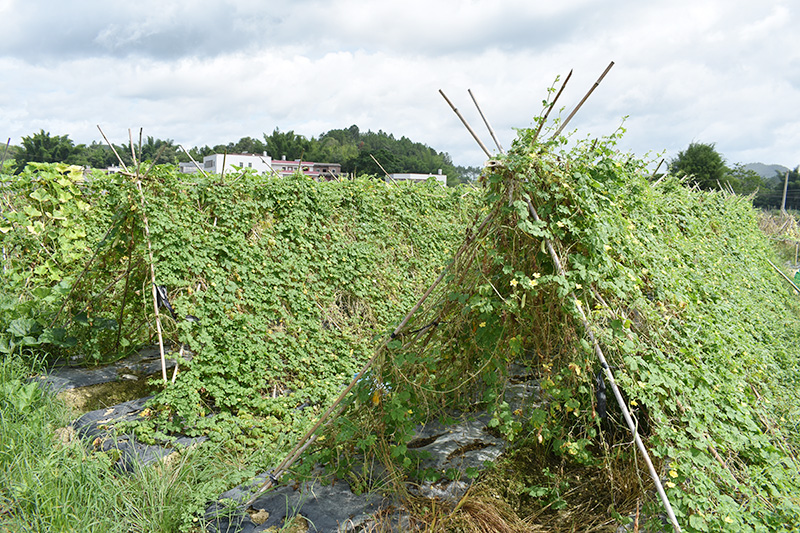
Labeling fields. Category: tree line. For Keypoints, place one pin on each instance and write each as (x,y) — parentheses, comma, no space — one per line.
(357,152)
(704,167)
(362,153)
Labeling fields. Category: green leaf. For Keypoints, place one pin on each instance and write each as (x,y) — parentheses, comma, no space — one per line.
(698,522)
(81,318)
(21,327)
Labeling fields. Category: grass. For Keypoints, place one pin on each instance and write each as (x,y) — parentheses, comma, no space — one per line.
(47,484)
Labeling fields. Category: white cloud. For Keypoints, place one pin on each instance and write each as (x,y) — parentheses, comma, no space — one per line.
(210,72)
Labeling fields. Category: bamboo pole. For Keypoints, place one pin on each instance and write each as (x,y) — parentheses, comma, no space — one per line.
(466,124)
(787,278)
(488,126)
(381,166)
(586,96)
(152,262)
(658,167)
(155,159)
(121,162)
(307,439)
(153,284)
(610,377)
(551,106)
(124,294)
(80,276)
(193,161)
(5,152)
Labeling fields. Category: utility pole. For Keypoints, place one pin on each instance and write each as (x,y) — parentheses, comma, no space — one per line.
(785,188)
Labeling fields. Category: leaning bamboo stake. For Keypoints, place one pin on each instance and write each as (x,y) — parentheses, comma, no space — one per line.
(80,276)
(5,152)
(550,107)
(152,264)
(381,166)
(787,278)
(121,162)
(203,172)
(586,96)
(269,166)
(658,167)
(488,126)
(180,356)
(153,284)
(610,377)
(466,124)
(336,407)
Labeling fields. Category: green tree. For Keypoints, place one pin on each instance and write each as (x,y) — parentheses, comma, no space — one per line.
(158,150)
(289,144)
(702,164)
(773,196)
(365,164)
(248,145)
(43,148)
(465,174)
(745,181)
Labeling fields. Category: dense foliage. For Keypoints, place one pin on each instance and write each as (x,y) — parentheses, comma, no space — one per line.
(702,165)
(701,333)
(286,282)
(282,288)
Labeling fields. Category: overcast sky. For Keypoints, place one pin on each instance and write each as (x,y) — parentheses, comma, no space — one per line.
(208,72)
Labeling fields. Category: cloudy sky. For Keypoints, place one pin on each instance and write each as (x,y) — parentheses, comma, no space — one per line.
(207,72)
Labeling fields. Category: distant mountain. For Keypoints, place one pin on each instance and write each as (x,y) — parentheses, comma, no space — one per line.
(766,171)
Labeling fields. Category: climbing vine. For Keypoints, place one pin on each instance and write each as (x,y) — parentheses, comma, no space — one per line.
(698,330)
(278,286)
(282,288)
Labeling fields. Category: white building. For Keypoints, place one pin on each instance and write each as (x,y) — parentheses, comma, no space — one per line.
(418,178)
(213,164)
(318,171)
(264,164)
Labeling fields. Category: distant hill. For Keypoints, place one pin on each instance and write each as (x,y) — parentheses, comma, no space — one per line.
(766,171)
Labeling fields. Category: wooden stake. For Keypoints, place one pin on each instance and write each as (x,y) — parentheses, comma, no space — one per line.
(153,284)
(577,107)
(152,263)
(155,159)
(121,162)
(658,167)
(552,105)
(193,161)
(488,126)
(80,276)
(180,356)
(466,124)
(785,188)
(5,152)
(381,166)
(779,271)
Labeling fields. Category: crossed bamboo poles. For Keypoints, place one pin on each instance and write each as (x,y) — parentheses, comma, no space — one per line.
(587,326)
(274,476)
